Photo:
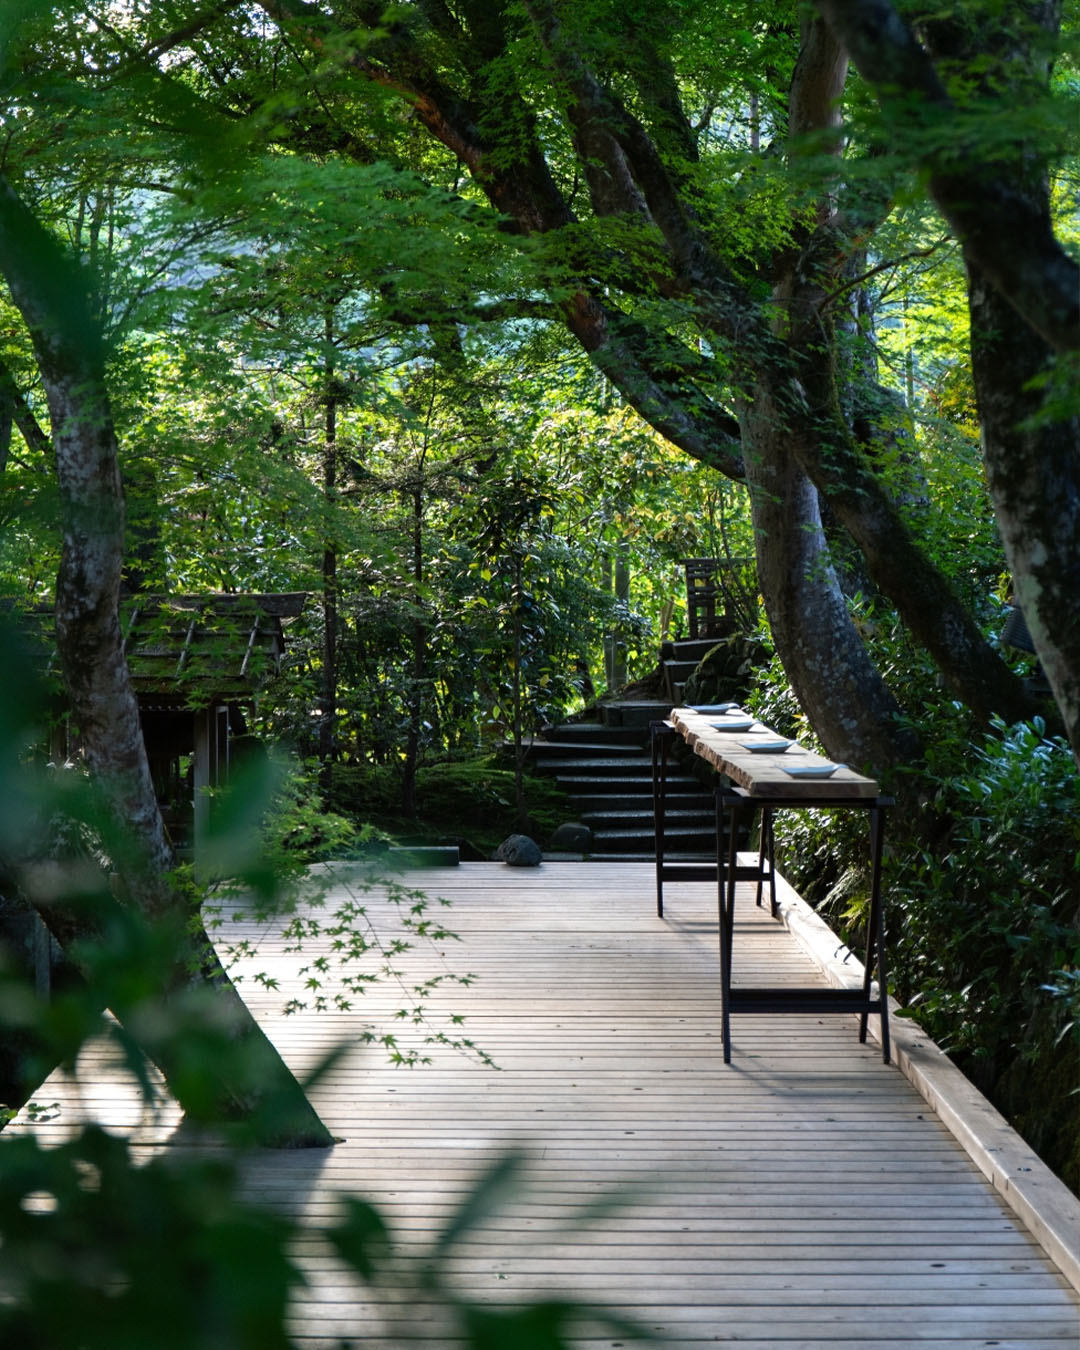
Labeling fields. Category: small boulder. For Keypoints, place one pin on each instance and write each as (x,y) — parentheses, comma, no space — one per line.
(518,851)
(572,837)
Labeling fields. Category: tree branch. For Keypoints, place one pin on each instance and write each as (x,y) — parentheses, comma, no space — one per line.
(158,47)
(13,399)
(997,222)
(855,282)
(707,433)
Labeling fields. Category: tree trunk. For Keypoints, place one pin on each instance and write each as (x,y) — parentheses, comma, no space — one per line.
(1033,470)
(848,703)
(328,693)
(50,296)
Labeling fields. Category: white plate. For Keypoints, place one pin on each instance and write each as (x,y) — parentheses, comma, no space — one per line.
(812,770)
(733,724)
(766,747)
(713,707)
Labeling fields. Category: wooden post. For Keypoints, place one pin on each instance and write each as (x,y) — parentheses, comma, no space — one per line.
(201,777)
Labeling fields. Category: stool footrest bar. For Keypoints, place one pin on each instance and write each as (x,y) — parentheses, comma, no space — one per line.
(748,1000)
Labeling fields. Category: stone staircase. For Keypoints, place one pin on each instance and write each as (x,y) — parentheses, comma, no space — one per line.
(678,661)
(605,767)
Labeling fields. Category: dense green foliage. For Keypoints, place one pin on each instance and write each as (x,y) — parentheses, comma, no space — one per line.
(339,361)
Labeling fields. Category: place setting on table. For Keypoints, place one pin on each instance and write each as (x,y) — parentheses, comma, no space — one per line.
(712,724)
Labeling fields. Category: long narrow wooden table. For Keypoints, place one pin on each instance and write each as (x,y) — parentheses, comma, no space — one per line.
(761,781)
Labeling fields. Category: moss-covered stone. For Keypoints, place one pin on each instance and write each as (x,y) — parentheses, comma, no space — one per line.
(726,671)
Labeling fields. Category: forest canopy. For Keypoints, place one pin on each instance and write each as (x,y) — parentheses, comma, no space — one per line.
(472,319)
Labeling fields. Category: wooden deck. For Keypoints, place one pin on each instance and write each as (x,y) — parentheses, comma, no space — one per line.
(805,1197)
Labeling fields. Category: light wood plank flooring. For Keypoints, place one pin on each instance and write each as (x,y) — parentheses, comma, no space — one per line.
(804,1197)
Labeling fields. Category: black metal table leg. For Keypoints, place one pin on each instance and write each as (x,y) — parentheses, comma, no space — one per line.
(874,957)
(765,861)
(724,928)
(660,737)
(729,808)
(732,807)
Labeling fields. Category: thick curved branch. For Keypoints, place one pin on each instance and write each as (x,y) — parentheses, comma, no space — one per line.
(14,401)
(517,181)
(708,433)
(999,224)
(929,606)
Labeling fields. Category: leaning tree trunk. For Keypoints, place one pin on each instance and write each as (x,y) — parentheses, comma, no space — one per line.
(49,294)
(1023,287)
(795,407)
(825,660)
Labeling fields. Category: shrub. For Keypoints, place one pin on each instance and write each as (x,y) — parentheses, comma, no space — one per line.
(982,888)
(986,931)
(470,801)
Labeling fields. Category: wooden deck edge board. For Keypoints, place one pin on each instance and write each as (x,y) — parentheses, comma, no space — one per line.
(1040,1199)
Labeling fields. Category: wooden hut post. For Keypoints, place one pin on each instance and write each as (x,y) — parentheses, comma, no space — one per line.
(204,718)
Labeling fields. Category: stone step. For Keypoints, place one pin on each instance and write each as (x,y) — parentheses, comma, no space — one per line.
(690,649)
(545,749)
(635,713)
(593,765)
(634,783)
(597,733)
(626,819)
(678,672)
(597,802)
(630,840)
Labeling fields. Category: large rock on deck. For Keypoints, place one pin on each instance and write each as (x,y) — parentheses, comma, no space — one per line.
(518,850)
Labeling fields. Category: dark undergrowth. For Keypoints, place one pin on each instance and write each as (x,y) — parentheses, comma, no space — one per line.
(468,803)
(982,882)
